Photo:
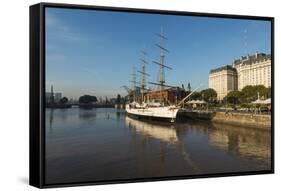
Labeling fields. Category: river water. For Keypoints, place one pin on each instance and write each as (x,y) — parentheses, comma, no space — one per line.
(105,144)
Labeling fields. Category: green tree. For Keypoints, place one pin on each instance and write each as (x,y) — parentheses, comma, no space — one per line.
(268,93)
(251,93)
(87,99)
(195,96)
(233,97)
(209,95)
(261,90)
(63,100)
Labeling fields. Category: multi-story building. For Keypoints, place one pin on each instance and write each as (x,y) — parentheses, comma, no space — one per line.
(253,70)
(223,80)
(170,95)
(248,70)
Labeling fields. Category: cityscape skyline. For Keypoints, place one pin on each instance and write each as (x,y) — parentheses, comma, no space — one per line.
(93,52)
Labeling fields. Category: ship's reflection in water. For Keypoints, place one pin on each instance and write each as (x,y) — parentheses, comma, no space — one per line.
(166,134)
(162,132)
(105,144)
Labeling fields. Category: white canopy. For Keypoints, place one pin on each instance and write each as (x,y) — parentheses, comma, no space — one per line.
(196,102)
(191,102)
(200,102)
(267,101)
(258,101)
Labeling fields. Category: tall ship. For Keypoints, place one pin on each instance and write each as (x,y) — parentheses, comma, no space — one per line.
(160,109)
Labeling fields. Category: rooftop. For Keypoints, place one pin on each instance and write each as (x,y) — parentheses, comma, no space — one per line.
(252,59)
(226,67)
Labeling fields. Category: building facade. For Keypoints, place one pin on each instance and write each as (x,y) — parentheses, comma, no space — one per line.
(253,70)
(248,70)
(171,95)
(223,80)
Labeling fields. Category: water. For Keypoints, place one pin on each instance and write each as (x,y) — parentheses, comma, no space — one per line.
(105,144)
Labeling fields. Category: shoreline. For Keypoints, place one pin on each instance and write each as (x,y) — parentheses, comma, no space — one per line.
(258,121)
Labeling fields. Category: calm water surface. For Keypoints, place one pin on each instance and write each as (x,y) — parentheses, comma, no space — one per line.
(105,144)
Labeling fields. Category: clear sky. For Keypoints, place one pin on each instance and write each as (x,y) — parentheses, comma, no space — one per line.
(94,52)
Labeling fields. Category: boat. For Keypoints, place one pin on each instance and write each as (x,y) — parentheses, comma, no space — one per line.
(153,110)
(146,111)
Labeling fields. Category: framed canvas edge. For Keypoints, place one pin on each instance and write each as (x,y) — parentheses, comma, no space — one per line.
(35,96)
(37,89)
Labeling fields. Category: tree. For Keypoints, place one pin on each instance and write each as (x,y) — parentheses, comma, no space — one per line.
(261,90)
(209,95)
(233,97)
(63,100)
(249,94)
(196,95)
(252,93)
(87,99)
(268,92)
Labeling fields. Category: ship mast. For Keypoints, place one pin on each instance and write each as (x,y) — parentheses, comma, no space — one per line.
(161,64)
(134,84)
(143,74)
(162,56)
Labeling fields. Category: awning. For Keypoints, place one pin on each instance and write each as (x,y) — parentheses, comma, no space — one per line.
(196,102)
(258,101)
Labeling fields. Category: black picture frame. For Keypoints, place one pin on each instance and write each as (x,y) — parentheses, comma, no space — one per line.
(37,92)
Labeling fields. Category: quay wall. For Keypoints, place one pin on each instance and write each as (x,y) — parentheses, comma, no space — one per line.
(242,119)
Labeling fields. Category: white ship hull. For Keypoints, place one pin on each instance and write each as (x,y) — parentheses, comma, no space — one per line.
(161,113)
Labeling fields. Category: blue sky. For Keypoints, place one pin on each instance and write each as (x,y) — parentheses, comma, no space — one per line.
(94,52)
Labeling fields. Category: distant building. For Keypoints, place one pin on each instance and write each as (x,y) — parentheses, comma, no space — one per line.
(253,70)
(170,95)
(48,97)
(58,96)
(52,97)
(223,80)
(113,100)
